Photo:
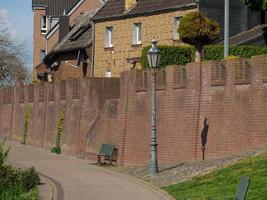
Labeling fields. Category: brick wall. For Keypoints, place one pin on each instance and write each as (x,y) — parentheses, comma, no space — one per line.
(230,94)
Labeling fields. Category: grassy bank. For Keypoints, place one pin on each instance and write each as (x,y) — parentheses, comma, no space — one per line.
(221,184)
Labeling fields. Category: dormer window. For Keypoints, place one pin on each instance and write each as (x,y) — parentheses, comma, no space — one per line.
(43,24)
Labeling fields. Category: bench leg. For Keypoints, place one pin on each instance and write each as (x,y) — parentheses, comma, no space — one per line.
(99,160)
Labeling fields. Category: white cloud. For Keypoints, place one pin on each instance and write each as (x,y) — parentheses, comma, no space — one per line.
(4,16)
(6,24)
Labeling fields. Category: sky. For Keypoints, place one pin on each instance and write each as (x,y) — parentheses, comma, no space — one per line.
(17,14)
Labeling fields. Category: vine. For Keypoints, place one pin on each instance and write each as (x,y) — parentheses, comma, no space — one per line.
(27,116)
(60,124)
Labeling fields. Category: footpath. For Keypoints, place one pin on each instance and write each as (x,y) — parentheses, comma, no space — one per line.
(70,178)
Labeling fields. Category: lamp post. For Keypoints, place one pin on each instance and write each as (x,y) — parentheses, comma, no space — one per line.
(226,28)
(153,56)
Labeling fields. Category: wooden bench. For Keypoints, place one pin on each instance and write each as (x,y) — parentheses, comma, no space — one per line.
(242,188)
(107,152)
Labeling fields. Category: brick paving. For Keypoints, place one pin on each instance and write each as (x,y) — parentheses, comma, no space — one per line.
(80,179)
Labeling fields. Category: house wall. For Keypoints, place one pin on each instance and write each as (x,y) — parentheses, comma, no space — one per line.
(68,68)
(118,111)
(38,38)
(159,26)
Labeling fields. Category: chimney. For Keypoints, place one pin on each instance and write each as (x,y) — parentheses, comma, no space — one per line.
(129,4)
(63,26)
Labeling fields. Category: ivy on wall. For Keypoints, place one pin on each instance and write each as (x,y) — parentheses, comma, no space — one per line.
(60,125)
(27,115)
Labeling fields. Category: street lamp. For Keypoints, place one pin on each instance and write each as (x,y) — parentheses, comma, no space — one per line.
(153,56)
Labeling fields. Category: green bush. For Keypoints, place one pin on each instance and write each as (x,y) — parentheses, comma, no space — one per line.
(216,52)
(56,150)
(16,183)
(3,153)
(170,55)
(28,179)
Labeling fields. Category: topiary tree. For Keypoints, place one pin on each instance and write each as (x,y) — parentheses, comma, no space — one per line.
(197,30)
(257,5)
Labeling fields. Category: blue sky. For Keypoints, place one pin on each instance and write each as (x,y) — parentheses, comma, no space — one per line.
(18,16)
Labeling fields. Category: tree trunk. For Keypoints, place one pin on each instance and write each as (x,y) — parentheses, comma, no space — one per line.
(198,54)
(262,16)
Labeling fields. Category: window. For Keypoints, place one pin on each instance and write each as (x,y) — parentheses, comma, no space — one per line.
(42,54)
(137,36)
(175,27)
(108,73)
(43,25)
(108,37)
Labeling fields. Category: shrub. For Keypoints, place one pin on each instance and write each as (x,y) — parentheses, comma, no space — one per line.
(198,30)
(28,179)
(14,183)
(215,52)
(56,150)
(3,153)
(170,55)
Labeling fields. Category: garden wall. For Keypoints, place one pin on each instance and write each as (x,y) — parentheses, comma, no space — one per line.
(231,95)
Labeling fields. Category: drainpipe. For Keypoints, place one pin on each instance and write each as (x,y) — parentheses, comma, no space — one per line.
(93,50)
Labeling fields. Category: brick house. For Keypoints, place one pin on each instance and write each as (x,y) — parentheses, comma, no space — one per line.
(241,19)
(71,57)
(124,27)
(47,15)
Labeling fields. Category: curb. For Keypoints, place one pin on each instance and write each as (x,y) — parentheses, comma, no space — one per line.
(55,188)
(52,188)
(149,186)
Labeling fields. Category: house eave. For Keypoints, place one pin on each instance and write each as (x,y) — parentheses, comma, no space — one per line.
(147,13)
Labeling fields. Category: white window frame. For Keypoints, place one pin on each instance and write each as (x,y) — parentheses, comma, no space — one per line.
(137,33)
(176,23)
(43,24)
(109,37)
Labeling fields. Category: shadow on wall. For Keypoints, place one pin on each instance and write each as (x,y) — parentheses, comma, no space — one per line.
(204,137)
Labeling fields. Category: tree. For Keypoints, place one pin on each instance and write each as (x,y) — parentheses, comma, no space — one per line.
(257,5)
(12,54)
(197,30)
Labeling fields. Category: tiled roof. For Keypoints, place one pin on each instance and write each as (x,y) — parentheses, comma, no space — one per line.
(39,3)
(253,36)
(55,7)
(115,8)
(82,32)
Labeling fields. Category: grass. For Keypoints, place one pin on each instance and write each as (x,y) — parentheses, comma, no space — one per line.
(221,184)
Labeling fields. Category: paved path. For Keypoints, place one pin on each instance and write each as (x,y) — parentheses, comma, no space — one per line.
(81,180)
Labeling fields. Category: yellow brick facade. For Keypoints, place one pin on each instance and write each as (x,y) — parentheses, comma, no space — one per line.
(159,26)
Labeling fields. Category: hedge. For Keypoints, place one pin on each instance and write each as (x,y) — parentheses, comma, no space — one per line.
(216,52)
(171,55)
